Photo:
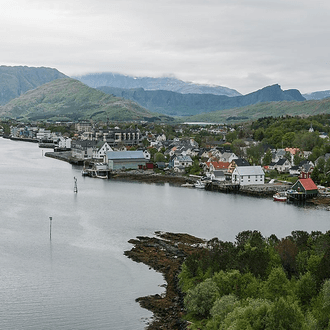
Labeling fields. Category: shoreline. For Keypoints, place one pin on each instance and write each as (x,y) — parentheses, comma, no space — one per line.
(165,254)
(149,176)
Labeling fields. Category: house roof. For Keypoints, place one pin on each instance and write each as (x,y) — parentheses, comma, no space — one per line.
(137,154)
(292,151)
(308,184)
(218,165)
(249,170)
(219,174)
(281,161)
(241,162)
(183,158)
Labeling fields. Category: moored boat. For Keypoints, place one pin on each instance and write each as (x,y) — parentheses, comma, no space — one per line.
(280,197)
(200,184)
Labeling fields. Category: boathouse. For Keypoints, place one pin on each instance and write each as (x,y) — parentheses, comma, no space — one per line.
(306,187)
(121,160)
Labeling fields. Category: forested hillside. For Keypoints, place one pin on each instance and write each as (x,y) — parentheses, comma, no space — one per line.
(259,283)
(265,109)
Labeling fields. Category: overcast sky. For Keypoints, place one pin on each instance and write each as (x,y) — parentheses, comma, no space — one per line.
(242,44)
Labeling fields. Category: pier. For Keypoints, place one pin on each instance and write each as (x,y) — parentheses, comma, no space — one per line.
(264,190)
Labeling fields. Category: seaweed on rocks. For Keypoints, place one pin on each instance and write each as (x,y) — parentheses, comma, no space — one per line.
(165,253)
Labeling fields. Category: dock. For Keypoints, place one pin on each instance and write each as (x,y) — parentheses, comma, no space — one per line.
(264,190)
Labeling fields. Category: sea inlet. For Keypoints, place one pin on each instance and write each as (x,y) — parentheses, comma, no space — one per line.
(79,278)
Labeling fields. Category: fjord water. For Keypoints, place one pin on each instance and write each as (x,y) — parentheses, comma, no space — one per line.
(80,279)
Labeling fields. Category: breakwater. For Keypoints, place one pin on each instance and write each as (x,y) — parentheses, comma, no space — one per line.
(265,190)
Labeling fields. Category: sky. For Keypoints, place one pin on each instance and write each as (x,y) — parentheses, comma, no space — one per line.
(241,44)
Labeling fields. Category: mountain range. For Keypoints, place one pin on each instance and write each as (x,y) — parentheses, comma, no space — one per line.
(43,93)
(148,83)
(177,104)
(317,95)
(69,99)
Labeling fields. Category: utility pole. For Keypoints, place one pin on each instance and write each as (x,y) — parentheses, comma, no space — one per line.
(50,228)
(75,189)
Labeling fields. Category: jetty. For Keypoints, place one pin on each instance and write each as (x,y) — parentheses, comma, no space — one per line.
(265,190)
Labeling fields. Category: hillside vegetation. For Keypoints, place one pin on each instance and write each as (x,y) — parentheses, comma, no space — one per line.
(259,283)
(265,109)
(15,81)
(69,99)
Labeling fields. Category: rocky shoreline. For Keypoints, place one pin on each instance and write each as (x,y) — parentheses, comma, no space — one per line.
(164,253)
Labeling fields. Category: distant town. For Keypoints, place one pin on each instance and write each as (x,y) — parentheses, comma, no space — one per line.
(287,150)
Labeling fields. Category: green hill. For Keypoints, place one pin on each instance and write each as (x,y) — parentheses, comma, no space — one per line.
(259,110)
(69,99)
(16,80)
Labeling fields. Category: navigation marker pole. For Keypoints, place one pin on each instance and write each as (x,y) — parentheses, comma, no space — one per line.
(75,189)
(50,228)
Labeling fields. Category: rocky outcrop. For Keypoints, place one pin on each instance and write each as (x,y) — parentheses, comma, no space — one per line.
(164,253)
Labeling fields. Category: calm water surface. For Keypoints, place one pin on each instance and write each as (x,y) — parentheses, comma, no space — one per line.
(81,279)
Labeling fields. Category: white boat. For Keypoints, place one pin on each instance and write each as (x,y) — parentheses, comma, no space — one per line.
(280,197)
(200,184)
(187,185)
(84,172)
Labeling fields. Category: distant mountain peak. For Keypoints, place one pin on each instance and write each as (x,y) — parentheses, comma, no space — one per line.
(172,84)
(317,95)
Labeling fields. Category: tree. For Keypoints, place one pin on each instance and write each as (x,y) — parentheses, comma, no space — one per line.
(221,308)
(259,134)
(288,250)
(231,136)
(267,157)
(200,299)
(252,315)
(254,154)
(306,288)
(285,314)
(145,142)
(194,169)
(297,159)
(159,157)
(288,139)
(277,284)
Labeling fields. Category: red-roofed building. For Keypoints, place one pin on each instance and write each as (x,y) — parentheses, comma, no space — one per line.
(306,186)
(292,151)
(217,166)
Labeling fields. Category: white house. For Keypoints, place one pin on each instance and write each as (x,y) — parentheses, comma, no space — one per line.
(248,175)
(227,157)
(64,143)
(100,149)
(180,162)
(282,166)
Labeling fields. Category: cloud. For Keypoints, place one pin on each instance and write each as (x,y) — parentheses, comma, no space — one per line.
(242,44)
